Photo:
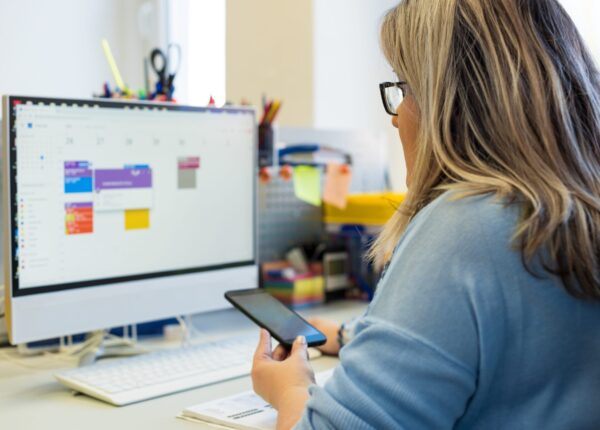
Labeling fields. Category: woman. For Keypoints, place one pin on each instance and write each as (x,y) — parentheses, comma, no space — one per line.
(488,315)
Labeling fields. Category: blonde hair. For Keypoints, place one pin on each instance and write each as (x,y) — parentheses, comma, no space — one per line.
(509,103)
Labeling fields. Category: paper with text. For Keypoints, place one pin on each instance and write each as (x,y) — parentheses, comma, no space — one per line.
(244,411)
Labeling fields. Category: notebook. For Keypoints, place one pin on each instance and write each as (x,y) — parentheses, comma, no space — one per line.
(243,411)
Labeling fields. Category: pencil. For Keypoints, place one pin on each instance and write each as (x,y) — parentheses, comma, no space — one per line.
(278,108)
(273,108)
(266,109)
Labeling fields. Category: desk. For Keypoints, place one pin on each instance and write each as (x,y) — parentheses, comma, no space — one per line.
(30,397)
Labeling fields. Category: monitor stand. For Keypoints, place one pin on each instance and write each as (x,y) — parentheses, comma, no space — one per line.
(100,345)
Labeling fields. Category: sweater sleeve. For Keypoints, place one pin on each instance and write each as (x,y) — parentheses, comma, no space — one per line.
(414,360)
(408,383)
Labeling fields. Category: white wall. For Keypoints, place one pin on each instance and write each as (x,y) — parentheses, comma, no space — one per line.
(52,48)
(348,67)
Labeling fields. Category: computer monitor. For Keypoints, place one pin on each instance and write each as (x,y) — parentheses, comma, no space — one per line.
(118,213)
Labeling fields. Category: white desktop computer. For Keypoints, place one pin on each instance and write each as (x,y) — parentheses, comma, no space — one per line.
(118,213)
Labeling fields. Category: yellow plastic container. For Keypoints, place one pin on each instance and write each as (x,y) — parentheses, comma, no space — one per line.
(373,209)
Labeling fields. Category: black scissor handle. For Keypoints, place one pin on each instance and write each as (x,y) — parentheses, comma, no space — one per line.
(161,67)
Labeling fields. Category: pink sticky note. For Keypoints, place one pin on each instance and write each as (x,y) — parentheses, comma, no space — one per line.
(337,184)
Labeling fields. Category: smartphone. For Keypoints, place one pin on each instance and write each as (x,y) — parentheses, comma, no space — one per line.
(269,313)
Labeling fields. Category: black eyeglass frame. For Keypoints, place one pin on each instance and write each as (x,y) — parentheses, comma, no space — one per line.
(382,89)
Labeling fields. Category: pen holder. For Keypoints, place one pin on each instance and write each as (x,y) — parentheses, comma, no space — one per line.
(266,143)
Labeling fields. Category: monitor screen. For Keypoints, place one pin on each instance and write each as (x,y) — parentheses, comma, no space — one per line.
(107,192)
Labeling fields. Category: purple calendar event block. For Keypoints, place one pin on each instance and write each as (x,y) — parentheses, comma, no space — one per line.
(77,169)
(112,179)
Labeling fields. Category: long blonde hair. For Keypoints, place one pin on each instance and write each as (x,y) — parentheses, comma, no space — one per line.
(509,103)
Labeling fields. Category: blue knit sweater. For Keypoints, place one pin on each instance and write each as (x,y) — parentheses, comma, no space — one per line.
(461,336)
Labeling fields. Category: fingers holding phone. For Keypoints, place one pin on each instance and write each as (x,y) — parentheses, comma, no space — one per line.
(273,378)
(280,353)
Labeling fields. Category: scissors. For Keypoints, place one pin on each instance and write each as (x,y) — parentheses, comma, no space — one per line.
(163,64)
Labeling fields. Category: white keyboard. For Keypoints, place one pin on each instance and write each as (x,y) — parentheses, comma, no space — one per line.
(143,377)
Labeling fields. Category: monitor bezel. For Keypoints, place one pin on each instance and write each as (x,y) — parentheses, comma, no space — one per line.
(11,166)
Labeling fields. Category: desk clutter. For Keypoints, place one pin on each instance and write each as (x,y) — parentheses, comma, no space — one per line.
(355,227)
(164,63)
(315,227)
(319,173)
(334,263)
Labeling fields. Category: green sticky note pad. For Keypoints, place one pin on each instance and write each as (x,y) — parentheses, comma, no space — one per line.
(307,184)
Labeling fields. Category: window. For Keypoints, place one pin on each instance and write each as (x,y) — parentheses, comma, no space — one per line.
(199,27)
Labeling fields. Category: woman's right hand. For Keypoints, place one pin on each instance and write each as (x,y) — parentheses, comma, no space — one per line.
(329,329)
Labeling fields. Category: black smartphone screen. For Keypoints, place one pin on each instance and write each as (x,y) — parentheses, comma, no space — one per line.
(268,312)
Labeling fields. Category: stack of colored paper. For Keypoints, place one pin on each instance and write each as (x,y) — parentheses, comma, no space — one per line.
(297,292)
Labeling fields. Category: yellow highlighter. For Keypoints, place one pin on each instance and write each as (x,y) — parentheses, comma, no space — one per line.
(113,66)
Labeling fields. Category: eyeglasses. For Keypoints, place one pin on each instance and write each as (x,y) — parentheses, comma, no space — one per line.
(392,94)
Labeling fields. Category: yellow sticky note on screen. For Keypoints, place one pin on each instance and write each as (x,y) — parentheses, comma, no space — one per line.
(337,184)
(136,219)
(307,184)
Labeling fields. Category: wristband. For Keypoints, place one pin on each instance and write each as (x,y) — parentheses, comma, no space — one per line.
(340,336)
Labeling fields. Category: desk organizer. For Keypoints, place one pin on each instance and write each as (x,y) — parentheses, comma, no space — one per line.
(296,291)
(355,228)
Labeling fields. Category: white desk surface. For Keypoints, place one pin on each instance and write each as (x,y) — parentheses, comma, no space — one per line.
(30,397)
